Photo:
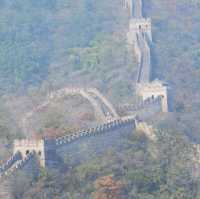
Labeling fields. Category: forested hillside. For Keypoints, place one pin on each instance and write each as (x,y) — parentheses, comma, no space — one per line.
(176,58)
(46,45)
(50,44)
(140,168)
(52,41)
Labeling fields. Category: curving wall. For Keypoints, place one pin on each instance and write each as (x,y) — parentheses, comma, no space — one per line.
(87,144)
(96,99)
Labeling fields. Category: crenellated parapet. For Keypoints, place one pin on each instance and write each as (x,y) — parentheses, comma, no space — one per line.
(106,127)
(17,166)
(139,106)
(42,149)
(139,36)
(15,157)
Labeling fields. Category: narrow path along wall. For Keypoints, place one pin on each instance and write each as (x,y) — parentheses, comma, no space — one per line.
(19,164)
(45,149)
(128,5)
(139,37)
(9,163)
(94,140)
(96,99)
(9,181)
(101,129)
(82,146)
(137,9)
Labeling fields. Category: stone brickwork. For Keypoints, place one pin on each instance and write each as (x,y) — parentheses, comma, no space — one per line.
(97,130)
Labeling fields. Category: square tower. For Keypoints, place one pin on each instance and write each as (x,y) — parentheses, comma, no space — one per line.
(137,25)
(153,90)
(27,146)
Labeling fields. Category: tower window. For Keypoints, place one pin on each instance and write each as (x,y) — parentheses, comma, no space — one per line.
(27,152)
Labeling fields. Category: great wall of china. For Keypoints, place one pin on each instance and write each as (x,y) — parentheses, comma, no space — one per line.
(152,93)
(103,109)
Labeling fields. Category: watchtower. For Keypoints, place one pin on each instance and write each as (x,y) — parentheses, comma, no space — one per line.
(27,146)
(137,26)
(153,90)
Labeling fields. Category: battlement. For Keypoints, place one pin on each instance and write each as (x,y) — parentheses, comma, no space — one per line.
(25,147)
(106,127)
(139,106)
(153,90)
(18,165)
(29,143)
(15,157)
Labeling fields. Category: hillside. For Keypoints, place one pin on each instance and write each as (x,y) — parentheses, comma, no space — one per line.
(176,58)
(135,167)
(60,42)
(47,45)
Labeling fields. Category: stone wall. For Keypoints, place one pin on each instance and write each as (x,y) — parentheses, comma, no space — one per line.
(14,179)
(15,157)
(17,166)
(94,145)
(101,129)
